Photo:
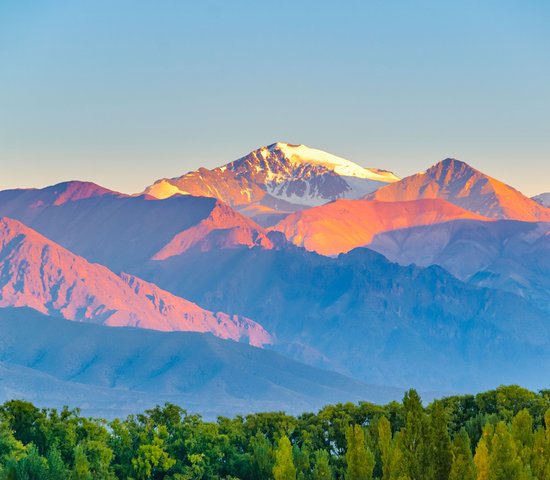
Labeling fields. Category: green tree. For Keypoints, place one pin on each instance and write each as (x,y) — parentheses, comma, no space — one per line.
(284,468)
(540,462)
(413,439)
(81,469)
(440,456)
(57,470)
(481,460)
(99,457)
(322,469)
(462,466)
(504,461)
(10,448)
(31,467)
(24,419)
(359,459)
(262,457)
(385,446)
(151,458)
(301,461)
(522,433)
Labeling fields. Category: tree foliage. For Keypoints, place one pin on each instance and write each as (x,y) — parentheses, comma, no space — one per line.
(495,435)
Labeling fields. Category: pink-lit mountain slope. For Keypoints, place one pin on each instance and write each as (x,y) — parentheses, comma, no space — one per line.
(462,185)
(58,194)
(222,228)
(280,177)
(122,232)
(37,273)
(343,225)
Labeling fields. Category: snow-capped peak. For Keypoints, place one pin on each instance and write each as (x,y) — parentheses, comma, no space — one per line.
(302,154)
(281,176)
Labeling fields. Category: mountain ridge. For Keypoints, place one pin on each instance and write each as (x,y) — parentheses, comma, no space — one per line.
(282,176)
(37,273)
(115,369)
(343,225)
(460,184)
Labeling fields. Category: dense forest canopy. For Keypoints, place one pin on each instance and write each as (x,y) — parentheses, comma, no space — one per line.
(502,434)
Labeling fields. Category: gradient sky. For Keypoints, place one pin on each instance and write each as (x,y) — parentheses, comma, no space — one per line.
(123,92)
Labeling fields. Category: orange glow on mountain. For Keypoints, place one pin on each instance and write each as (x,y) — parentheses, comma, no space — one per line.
(343,225)
(462,185)
(223,228)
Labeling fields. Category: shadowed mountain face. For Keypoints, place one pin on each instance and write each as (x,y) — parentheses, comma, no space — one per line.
(124,369)
(458,183)
(279,178)
(122,232)
(343,225)
(37,273)
(508,255)
(543,199)
(376,320)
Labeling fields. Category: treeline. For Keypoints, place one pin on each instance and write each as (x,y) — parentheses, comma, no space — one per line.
(502,434)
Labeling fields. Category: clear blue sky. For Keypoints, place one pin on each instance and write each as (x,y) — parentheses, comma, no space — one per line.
(123,92)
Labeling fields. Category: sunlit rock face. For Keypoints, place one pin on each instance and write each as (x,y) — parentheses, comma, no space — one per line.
(280,176)
(122,231)
(39,274)
(341,226)
(462,185)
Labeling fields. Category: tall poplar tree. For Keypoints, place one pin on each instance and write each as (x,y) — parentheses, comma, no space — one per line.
(504,461)
(413,439)
(462,466)
(359,459)
(439,451)
(284,468)
(385,447)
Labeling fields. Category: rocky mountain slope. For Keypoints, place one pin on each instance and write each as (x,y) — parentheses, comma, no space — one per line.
(368,317)
(279,177)
(122,231)
(37,273)
(508,255)
(468,188)
(343,225)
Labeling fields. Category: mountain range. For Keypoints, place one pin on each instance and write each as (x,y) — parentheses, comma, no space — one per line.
(115,371)
(39,274)
(277,179)
(367,317)
(296,259)
(122,231)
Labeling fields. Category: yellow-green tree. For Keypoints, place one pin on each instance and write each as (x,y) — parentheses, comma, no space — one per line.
(359,459)
(504,460)
(522,433)
(284,468)
(481,458)
(462,465)
(540,460)
(385,447)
